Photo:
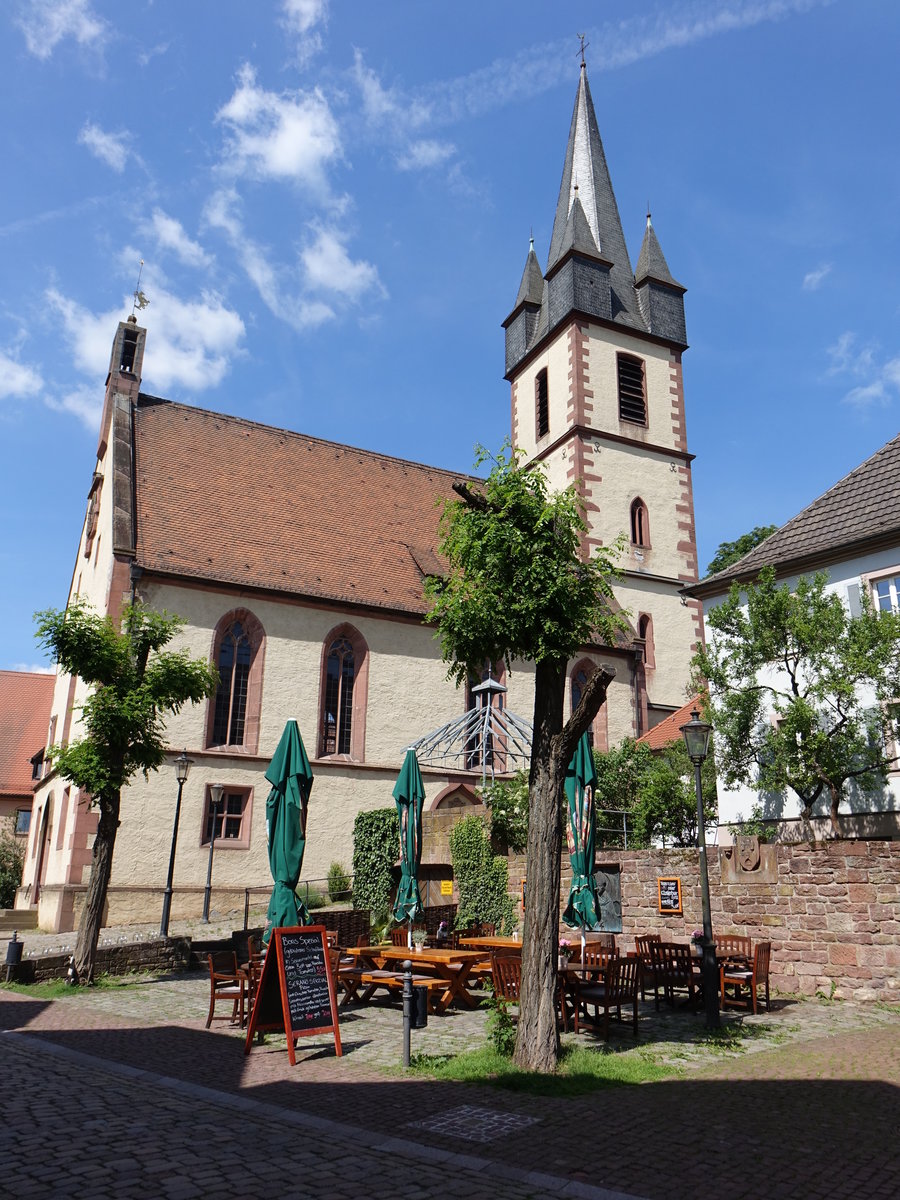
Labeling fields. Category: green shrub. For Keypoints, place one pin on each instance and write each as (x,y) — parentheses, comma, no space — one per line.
(507,801)
(501,1027)
(338,882)
(376,847)
(12,859)
(312,898)
(481,877)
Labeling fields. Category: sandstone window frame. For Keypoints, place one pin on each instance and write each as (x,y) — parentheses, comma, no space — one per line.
(354,707)
(251,699)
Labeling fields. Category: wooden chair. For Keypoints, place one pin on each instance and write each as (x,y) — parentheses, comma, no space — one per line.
(749,979)
(331,937)
(487,929)
(596,959)
(648,974)
(226,982)
(399,936)
(618,990)
(673,968)
(736,946)
(364,939)
(506,975)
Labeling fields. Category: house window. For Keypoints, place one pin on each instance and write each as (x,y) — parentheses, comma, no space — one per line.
(542,403)
(579,683)
(632,398)
(232,819)
(238,649)
(337,715)
(23,821)
(645,632)
(231,695)
(640,524)
(887,593)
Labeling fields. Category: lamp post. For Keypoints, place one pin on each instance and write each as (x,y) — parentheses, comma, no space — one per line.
(216,790)
(696,738)
(183,765)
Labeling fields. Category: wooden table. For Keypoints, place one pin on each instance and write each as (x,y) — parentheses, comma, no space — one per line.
(492,943)
(451,967)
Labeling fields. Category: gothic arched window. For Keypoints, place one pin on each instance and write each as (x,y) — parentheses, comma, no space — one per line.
(342,726)
(640,523)
(238,654)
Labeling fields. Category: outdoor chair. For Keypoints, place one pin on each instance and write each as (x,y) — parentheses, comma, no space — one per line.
(746,979)
(673,968)
(506,974)
(487,929)
(618,990)
(648,974)
(596,959)
(399,936)
(226,982)
(736,946)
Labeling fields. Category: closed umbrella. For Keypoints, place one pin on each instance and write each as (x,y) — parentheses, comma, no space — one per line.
(409,792)
(583,910)
(291,778)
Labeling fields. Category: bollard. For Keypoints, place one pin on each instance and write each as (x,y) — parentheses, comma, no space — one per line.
(407,1010)
(14,950)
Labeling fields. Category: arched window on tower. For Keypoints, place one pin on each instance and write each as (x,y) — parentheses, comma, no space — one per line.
(343,706)
(238,648)
(640,523)
(645,632)
(542,404)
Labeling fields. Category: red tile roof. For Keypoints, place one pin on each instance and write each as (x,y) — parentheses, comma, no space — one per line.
(25,700)
(669,730)
(226,499)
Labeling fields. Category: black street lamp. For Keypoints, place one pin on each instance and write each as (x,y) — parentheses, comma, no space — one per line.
(696,738)
(215,790)
(183,765)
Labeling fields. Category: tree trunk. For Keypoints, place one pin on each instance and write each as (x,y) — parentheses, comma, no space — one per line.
(537,1039)
(95,900)
(836,794)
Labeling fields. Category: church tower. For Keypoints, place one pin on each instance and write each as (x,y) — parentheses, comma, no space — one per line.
(593,355)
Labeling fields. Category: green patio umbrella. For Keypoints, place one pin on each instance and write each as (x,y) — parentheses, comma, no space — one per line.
(409,792)
(583,909)
(291,778)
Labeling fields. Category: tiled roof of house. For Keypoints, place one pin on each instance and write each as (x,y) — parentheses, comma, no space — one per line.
(225,499)
(25,700)
(669,730)
(862,508)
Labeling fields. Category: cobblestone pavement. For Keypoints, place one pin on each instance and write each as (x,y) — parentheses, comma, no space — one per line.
(136,1097)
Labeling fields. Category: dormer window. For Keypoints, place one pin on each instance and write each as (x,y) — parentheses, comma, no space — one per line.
(542,404)
(632,397)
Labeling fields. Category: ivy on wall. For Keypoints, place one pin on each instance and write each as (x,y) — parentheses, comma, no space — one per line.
(482,878)
(376,847)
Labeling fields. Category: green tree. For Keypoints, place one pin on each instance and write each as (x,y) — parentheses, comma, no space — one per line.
(730,552)
(482,878)
(655,790)
(507,803)
(799,689)
(135,686)
(12,860)
(518,587)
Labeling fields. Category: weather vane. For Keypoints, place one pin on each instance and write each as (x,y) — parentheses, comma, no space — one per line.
(140,300)
(584,45)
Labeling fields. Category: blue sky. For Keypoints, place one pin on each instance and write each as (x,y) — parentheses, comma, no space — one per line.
(333,203)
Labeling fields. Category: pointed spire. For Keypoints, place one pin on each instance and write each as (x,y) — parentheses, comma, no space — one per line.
(651,262)
(585,168)
(532,284)
(578,235)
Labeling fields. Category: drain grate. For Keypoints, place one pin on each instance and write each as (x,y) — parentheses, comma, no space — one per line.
(474,1124)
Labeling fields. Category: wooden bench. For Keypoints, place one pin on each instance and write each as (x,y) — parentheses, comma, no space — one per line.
(392,981)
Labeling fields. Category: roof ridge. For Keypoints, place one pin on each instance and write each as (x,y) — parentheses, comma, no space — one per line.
(310,437)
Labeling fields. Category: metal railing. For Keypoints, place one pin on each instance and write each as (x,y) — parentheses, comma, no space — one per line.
(306,888)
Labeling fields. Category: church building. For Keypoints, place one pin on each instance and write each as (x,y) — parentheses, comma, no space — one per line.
(298,565)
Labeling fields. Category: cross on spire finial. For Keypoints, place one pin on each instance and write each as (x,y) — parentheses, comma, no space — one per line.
(584,45)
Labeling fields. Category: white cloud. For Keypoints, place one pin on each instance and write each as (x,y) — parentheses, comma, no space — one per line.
(85,402)
(287,136)
(869,396)
(300,18)
(881,380)
(16,379)
(33,668)
(46,23)
(170,235)
(111,148)
(850,358)
(191,343)
(425,153)
(329,268)
(813,280)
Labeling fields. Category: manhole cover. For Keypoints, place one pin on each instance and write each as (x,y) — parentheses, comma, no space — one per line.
(474,1124)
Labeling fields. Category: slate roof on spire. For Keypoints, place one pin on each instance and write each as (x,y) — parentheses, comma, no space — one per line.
(578,235)
(532,286)
(651,262)
(585,167)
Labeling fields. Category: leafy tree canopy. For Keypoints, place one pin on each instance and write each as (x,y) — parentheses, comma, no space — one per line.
(798,688)
(729,552)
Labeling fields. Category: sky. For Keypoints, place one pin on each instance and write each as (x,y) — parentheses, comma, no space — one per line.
(332,202)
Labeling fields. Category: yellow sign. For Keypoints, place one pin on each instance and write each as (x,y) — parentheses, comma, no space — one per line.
(446,887)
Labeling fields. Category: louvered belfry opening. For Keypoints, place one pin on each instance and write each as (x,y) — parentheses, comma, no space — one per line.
(632,400)
(542,399)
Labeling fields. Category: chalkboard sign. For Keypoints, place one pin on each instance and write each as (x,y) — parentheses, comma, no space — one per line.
(669,893)
(296,993)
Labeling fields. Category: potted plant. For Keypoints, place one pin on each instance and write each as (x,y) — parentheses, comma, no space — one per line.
(565,949)
(419,936)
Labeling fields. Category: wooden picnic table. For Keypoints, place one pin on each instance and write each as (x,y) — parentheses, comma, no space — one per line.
(451,967)
(495,942)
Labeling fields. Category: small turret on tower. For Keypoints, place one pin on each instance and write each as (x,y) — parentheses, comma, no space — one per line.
(660,296)
(521,322)
(126,363)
